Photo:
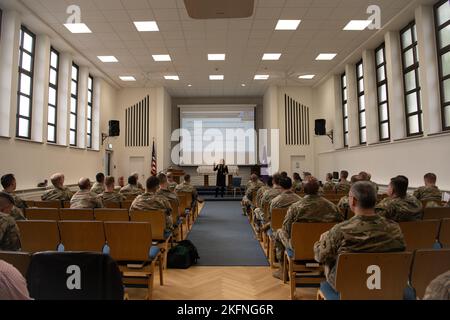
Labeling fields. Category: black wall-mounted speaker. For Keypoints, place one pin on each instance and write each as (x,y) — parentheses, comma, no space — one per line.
(321,127)
(114,128)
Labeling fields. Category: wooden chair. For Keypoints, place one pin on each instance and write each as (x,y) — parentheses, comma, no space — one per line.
(36,236)
(276,223)
(47,204)
(420,234)
(126,204)
(66,205)
(177,221)
(427,266)
(353,272)
(300,260)
(42,214)
(444,233)
(436,213)
(111,205)
(77,214)
(185,204)
(111,215)
(131,242)
(20,260)
(82,235)
(30,203)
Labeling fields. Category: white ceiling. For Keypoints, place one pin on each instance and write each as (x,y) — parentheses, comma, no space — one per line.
(188,41)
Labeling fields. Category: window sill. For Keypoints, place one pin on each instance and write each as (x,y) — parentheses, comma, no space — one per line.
(56,145)
(92,150)
(77,148)
(439,134)
(417,137)
(5,138)
(29,141)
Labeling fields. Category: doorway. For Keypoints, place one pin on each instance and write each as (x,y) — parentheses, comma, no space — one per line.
(137,165)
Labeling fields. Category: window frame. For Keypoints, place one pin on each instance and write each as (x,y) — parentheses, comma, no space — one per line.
(380,84)
(56,88)
(360,93)
(90,106)
(344,90)
(75,97)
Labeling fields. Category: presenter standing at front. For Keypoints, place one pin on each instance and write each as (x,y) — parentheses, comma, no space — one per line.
(222,171)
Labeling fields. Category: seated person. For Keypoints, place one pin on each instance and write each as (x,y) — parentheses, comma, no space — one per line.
(187,187)
(368,177)
(439,288)
(328,186)
(266,199)
(151,201)
(430,192)
(132,188)
(284,174)
(140,186)
(343,204)
(13,285)
(171,182)
(99,185)
(59,191)
(400,206)
(252,186)
(109,195)
(260,193)
(297,184)
(85,199)
(121,184)
(9,184)
(311,209)
(343,187)
(9,232)
(366,232)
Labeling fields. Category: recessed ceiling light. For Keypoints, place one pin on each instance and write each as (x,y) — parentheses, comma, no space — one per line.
(189,85)
(108,59)
(271,56)
(326,56)
(127,78)
(176,78)
(243,85)
(216,77)
(307,77)
(357,25)
(216,57)
(261,77)
(287,24)
(146,26)
(161,57)
(78,28)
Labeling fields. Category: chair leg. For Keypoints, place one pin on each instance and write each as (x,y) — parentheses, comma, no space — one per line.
(268,247)
(161,273)
(150,286)
(292,279)
(320,295)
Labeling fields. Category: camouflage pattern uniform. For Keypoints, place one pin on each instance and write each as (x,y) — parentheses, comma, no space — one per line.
(154,202)
(187,187)
(251,187)
(343,187)
(61,194)
(17,214)
(170,196)
(85,199)
(297,186)
(328,187)
(400,209)
(431,194)
(172,186)
(111,197)
(18,202)
(284,200)
(98,188)
(439,288)
(268,196)
(343,204)
(260,194)
(131,190)
(9,233)
(360,234)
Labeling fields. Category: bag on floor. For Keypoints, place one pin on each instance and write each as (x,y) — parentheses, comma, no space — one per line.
(182,256)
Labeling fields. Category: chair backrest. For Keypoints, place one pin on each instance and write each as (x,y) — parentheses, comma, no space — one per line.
(372,276)
(254,198)
(129,241)
(20,260)
(182,198)
(77,214)
(47,204)
(304,236)
(175,211)
(237,182)
(126,204)
(427,266)
(82,235)
(444,233)
(420,234)
(278,216)
(42,214)
(111,205)
(30,203)
(436,213)
(157,220)
(36,236)
(66,204)
(111,215)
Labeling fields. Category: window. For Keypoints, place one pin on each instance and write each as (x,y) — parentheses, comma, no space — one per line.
(442,14)
(89,111)
(53,96)
(382,93)
(74,105)
(410,60)
(361,103)
(345,107)
(25,87)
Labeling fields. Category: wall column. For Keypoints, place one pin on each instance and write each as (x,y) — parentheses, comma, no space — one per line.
(353,123)
(64,78)
(82,106)
(338,131)
(371,97)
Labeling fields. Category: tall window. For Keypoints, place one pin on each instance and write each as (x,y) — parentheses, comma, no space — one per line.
(345,107)
(89,111)
(53,96)
(361,103)
(442,14)
(25,89)
(382,91)
(414,120)
(74,105)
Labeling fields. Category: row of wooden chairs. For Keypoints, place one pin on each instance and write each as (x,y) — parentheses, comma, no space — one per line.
(428,213)
(126,204)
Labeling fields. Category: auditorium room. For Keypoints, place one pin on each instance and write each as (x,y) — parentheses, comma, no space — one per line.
(225,150)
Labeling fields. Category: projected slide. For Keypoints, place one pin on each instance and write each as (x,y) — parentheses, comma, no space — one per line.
(212,133)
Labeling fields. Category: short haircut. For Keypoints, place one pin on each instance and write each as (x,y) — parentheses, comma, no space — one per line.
(152,183)
(286,183)
(270,181)
(357,178)
(430,177)
(55,178)
(276,179)
(330,176)
(312,187)
(187,178)
(162,178)
(84,183)
(284,174)
(254,177)
(132,180)
(296,176)
(344,174)
(400,185)
(100,177)
(7,180)
(364,175)
(109,181)
(365,194)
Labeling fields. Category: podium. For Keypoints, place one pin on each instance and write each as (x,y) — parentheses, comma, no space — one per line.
(177,174)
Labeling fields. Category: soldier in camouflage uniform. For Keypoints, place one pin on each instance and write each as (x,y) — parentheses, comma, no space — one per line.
(187,187)
(10,207)
(367,177)
(430,192)
(9,232)
(343,204)
(252,186)
(132,188)
(109,195)
(85,199)
(297,184)
(439,288)
(9,185)
(99,185)
(59,191)
(366,232)
(151,201)
(139,185)
(266,199)
(328,186)
(171,182)
(400,206)
(344,185)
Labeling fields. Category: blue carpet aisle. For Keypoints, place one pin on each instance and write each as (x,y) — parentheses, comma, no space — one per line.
(224,237)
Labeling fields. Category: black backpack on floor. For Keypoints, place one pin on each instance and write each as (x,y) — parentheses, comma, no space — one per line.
(182,256)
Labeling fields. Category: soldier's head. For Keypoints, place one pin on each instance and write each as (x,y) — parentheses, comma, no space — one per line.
(9,182)
(6,202)
(344,175)
(430,179)
(284,174)
(362,196)
(132,180)
(307,175)
(329,177)
(312,187)
(109,183)
(152,184)
(170,176)
(270,181)
(121,181)
(254,178)
(84,184)
(187,178)
(398,187)
(286,183)
(137,176)
(100,177)
(357,178)
(57,180)
(163,181)
(364,175)
(296,176)
(276,179)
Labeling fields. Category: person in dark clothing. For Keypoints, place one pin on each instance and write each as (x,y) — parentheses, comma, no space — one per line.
(222,171)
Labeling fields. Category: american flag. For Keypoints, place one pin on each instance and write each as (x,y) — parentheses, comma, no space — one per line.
(154,166)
